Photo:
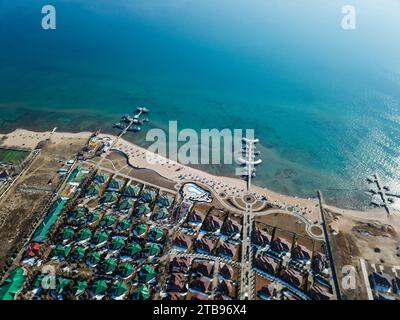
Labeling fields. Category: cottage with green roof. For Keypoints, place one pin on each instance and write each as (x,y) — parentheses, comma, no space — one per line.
(107,221)
(92,191)
(156,234)
(131,251)
(108,266)
(78,214)
(139,230)
(132,190)
(125,204)
(119,290)
(93,217)
(126,269)
(142,292)
(160,214)
(115,185)
(147,274)
(99,238)
(165,200)
(62,285)
(148,195)
(142,209)
(60,252)
(109,198)
(124,225)
(78,254)
(79,288)
(99,289)
(67,233)
(117,243)
(93,259)
(84,235)
(152,249)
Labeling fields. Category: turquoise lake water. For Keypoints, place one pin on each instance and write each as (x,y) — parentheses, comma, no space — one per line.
(324,102)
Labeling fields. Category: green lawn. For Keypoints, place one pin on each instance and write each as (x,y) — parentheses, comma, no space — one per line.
(12,156)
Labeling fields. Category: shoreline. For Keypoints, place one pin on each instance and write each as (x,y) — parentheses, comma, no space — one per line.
(174,171)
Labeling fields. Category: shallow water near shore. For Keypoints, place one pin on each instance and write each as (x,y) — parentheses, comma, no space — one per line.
(325,103)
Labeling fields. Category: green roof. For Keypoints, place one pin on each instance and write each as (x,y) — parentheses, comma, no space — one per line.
(160,214)
(93,258)
(78,253)
(92,217)
(93,190)
(37,283)
(139,229)
(156,234)
(109,197)
(126,269)
(147,273)
(84,234)
(61,251)
(55,211)
(142,209)
(13,284)
(80,287)
(99,287)
(67,233)
(108,265)
(115,184)
(132,190)
(62,283)
(118,289)
(124,224)
(78,213)
(165,200)
(152,249)
(133,249)
(126,204)
(107,221)
(148,195)
(100,237)
(117,243)
(141,293)
(101,178)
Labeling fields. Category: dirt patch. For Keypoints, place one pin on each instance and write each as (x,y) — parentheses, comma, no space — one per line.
(24,202)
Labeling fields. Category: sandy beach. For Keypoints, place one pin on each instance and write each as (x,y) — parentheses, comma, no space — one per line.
(224,186)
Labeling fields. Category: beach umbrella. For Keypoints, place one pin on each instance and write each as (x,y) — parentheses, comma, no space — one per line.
(126,269)
(141,293)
